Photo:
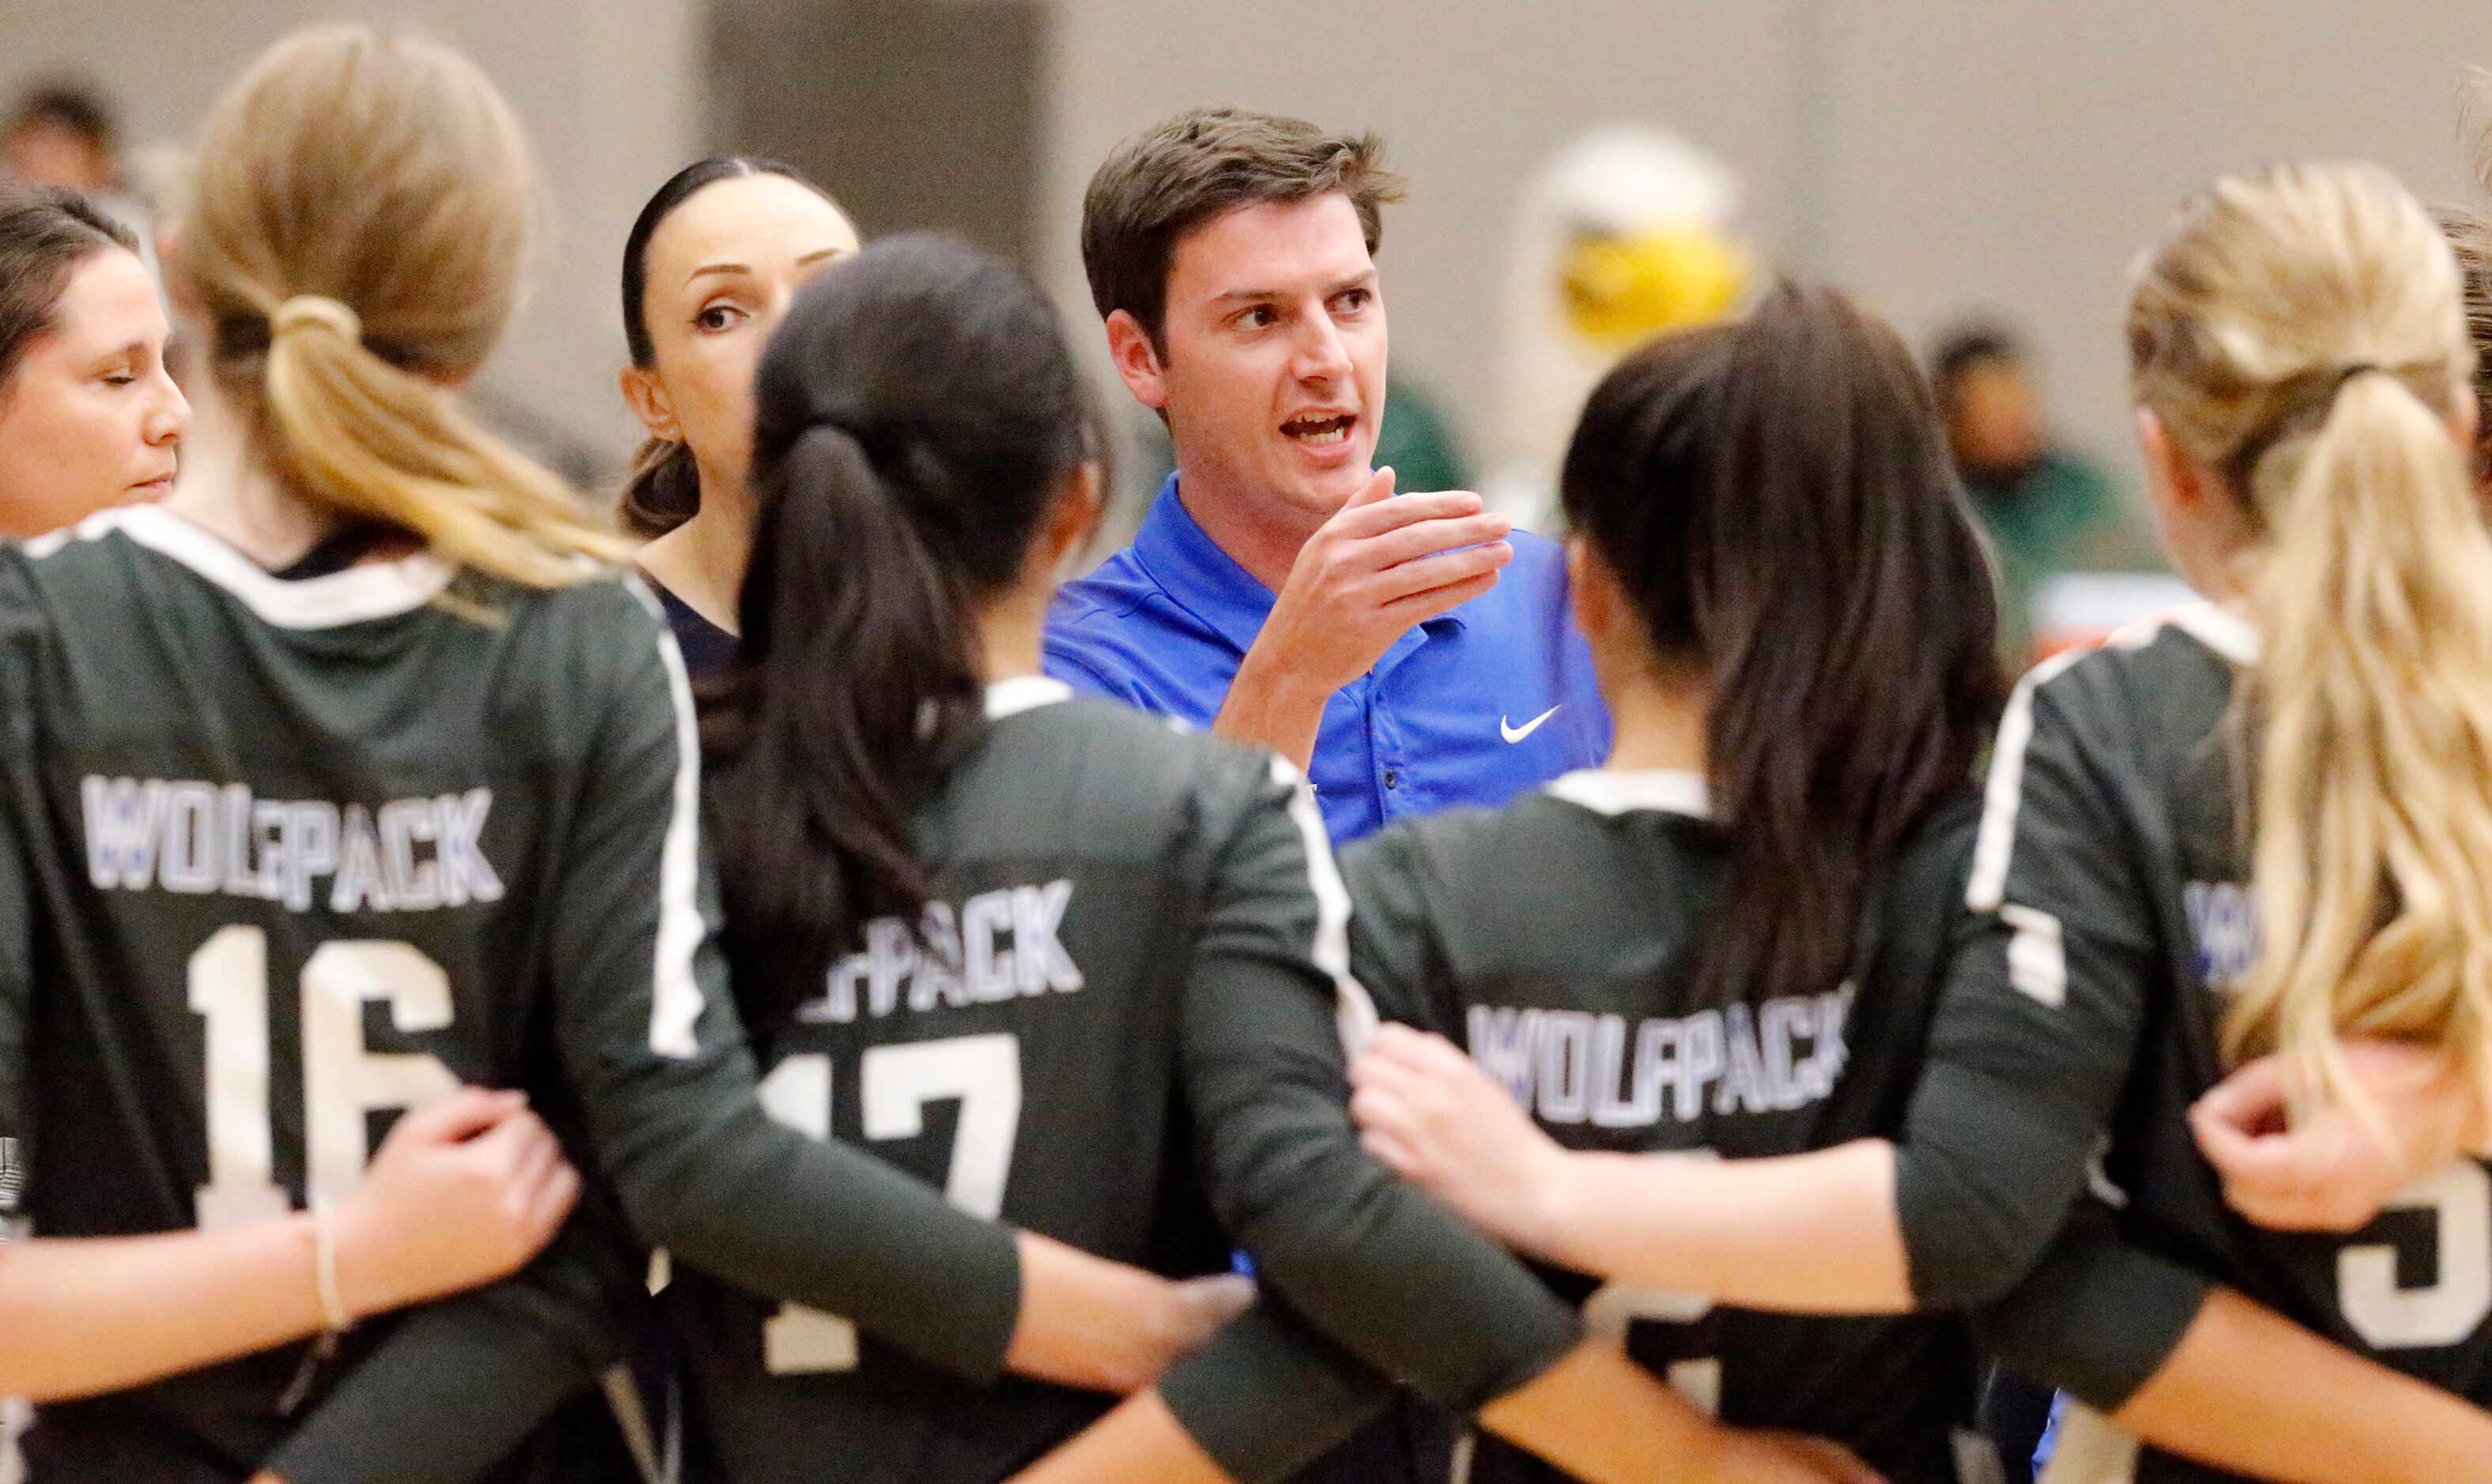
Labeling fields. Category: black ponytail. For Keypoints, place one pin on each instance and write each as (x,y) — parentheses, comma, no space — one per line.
(1776,495)
(916,416)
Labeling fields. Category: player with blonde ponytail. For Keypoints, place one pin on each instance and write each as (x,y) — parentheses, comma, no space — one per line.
(2233,880)
(353,276)
(2321,392)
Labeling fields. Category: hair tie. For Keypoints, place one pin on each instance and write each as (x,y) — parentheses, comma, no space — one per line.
(307,310)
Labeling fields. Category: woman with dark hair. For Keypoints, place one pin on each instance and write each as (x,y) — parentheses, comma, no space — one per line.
(1112,951)
(708,270)
(88,417)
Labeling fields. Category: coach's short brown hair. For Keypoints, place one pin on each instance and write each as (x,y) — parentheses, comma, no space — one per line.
(1174,176)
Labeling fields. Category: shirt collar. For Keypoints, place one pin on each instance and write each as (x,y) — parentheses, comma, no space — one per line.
(1670,791)
(1024,693)
(1206,582)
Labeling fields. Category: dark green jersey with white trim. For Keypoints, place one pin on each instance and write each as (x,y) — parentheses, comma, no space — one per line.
(1118,1023)
(280,858)
(2113,908)
(1553,938)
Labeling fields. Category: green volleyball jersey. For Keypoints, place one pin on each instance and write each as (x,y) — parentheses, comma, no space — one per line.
(1117,1024)
(281,859)
(2113,913)
(1554,939)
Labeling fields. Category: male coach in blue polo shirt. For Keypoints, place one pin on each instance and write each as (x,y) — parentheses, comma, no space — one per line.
(1409,652)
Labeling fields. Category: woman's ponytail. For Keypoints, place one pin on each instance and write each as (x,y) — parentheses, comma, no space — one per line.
(361,436)
(363,210)
(661,490)
(917,416)
(2298,333)
(2371,698)
(845,593)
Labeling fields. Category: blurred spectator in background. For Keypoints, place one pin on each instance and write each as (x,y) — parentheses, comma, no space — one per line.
(62,133)
(2048,510)
(66,133)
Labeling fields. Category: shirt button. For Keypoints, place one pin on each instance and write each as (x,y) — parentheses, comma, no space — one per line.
(1392,778)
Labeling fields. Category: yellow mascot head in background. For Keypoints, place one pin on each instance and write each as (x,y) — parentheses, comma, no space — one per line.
(1625,233)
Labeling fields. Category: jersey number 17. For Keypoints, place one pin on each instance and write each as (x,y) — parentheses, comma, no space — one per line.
(897,1082)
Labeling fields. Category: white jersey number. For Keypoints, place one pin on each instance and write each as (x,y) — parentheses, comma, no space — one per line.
(982,1072)
(2459,1197)
(341,1080)
(1616,1308)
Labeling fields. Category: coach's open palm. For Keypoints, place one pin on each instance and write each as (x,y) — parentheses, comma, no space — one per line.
(1379,566)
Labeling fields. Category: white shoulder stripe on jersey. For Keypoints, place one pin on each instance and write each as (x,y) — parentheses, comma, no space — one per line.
(2004,790)
(676,995)
(2226,633)
(1354,1015)
(357,595)
(1669,791)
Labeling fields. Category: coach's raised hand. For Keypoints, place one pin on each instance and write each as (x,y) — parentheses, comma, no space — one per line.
(1379,565)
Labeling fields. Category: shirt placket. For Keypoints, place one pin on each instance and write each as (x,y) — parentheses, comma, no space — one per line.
(1387,749)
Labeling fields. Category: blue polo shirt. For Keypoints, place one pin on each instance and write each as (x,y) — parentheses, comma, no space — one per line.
(1473,707)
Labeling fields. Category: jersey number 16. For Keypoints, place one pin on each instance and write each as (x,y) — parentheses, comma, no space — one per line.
(342,1083)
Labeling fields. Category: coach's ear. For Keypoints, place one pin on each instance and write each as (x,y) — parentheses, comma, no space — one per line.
(1137,360)
(1069,523)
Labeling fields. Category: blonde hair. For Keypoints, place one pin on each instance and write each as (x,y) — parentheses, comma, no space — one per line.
(359,228)
(2299,331)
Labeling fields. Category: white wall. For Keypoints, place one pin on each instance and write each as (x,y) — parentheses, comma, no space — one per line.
(1932,155)
(610,92)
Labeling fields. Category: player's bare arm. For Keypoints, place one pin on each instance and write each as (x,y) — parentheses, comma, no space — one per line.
(1596,1412)
(1812,1232)
(462,1191)
(2252,1392)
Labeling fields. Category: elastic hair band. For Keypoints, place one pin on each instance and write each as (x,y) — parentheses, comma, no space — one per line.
(304,311)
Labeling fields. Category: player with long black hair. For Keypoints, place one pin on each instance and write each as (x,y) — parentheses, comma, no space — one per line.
(1077,967)
(2242,837)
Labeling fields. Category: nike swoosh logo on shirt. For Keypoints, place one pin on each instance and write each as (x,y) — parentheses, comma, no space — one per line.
(1513,734)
